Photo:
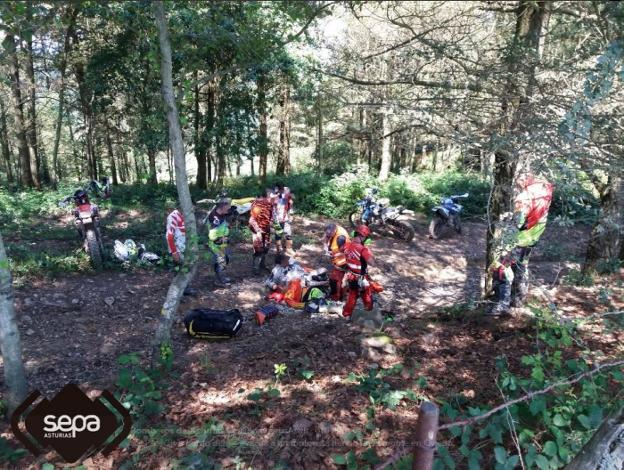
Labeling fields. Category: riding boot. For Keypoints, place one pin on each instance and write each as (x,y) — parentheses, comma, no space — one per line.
(262,265)
(256,262)
(520,285)
(220,279)
(502,290)
(289,248)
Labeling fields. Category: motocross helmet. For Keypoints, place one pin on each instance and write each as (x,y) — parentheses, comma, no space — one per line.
(81,197)
(362,230)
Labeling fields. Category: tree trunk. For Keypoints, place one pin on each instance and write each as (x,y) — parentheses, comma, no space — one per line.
(26,176)
(87,113)
(61,97)
(283,154)
(198,150)
(4,143)
(207,137)
(605,242)
(319,123)
(111,156)
(605,450)
(386,150)
(169,165)
(31,125)
(10,345)
(531,19)
(151,156)
(184,276)
(263,139)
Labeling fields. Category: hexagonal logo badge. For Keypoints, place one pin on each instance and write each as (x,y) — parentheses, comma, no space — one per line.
(71,423)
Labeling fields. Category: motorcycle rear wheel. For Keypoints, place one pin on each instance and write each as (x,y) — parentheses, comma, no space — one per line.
(93,247)
(402,230)
(436,227)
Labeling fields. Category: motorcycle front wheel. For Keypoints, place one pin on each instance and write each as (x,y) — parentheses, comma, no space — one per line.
(355,218)
(436,227)
(402,230)
(93,247)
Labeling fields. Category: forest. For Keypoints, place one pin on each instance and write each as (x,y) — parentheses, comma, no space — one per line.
(312,234)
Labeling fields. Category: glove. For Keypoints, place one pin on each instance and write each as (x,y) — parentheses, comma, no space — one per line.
(363,283)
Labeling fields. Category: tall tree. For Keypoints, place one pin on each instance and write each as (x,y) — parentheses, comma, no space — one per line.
(521,61)
(4,143)
(39,171)
(18,110)
(69,16)
(263,138)
(184,276)
(283,151)
(10,345)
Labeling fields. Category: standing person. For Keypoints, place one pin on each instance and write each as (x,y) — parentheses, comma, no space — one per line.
(218,239)
(175,234)
(359,258)
(510,271)
(260,225)
(283,201)
(336,237)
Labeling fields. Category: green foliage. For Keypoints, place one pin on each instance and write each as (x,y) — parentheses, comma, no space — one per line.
(551,428)
(577,278)
(280,371)
(141,389)
(8,454)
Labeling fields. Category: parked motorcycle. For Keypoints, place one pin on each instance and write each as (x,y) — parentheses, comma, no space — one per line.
(447,214)
(379,217)
(239,213)
(87,220)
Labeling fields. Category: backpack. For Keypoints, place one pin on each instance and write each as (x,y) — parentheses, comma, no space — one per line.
(207,323)
(266,312)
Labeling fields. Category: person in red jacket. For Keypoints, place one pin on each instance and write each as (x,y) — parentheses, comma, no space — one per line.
(510,270)
(175,234)
(359,258)
(260,226)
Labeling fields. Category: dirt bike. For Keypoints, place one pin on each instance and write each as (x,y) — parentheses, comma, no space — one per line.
(87,220)
(239,213)
(381,218)
(447,214)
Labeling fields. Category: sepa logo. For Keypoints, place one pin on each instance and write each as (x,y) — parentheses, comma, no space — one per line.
(66,426)
(71,423)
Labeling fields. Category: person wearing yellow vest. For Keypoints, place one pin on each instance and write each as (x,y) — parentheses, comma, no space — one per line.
(336,237)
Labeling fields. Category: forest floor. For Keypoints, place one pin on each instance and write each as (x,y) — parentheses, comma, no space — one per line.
(447,347)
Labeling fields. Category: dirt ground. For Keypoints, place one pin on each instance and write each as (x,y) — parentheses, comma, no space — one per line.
(70,333)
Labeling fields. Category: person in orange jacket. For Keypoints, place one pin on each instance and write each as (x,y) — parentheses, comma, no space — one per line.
(336,237)
(260,225)
(359,259)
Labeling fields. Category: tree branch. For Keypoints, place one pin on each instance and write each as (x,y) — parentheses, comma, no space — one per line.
(412,81)
(467,422)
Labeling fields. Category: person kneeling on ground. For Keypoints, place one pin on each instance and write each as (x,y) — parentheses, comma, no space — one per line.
(510,273)
(218,240)
(293,284)
(286,269)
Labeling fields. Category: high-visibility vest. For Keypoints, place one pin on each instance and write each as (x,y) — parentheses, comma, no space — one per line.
(339,259)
